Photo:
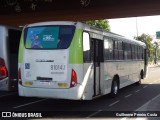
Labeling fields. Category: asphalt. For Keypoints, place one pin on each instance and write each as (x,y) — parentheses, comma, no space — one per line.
(153,104)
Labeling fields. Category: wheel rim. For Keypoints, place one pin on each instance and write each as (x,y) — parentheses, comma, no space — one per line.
(115,88)
(140,79)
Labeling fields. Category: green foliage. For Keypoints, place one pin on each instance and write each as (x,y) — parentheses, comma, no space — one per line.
(151,58)
(156,50)
(153,50)
(147,39)
(158,53)
(103,24)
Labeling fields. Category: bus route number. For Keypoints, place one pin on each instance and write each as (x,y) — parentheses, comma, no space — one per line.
(57,67)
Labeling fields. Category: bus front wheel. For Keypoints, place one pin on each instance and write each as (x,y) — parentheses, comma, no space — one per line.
(114,88)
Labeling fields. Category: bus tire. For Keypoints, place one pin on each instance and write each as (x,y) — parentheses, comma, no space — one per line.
(114,88)
(140,78)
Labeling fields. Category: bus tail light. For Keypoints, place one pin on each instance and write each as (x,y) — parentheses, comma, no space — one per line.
(73,79)
(19,76)
(3,69)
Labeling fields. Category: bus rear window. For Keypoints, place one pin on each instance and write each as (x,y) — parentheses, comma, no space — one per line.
(49,37)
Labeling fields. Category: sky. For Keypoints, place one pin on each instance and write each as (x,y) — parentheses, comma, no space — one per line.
(127,26)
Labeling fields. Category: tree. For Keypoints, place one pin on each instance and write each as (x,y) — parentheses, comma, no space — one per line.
(147,39)
(156,46)
(158,54)
(103,24)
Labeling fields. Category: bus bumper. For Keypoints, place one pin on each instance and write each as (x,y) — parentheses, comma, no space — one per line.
(74,93)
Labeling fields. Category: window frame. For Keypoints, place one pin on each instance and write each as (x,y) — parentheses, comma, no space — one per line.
(25,35)
(90,57)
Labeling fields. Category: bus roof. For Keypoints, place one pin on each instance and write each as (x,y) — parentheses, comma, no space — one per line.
(10,27)
(52,23)
(90,29)
(112,35)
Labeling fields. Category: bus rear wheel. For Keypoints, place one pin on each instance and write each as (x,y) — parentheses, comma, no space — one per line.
(140,80)
(114,88)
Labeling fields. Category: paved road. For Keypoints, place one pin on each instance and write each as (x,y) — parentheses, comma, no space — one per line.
(145,97)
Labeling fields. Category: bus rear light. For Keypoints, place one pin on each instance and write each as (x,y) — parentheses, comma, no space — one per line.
(73,79)
(3,69)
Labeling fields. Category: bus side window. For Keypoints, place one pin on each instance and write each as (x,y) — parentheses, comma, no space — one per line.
(86,47)
(142,53)
(108,49)
(115,50)
(120,50)
(125,51)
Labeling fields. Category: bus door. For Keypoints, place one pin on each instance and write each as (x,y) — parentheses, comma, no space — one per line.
(97,54)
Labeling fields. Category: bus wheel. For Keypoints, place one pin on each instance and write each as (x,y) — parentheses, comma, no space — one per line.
(114,88)
(139,81)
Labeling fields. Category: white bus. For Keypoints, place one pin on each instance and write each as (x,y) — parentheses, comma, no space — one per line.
(9,44)
(71,60)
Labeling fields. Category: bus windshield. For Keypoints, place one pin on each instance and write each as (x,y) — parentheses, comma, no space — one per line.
(49,37)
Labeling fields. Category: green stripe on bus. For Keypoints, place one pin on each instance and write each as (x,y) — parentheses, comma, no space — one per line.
(21,48)
(76,50)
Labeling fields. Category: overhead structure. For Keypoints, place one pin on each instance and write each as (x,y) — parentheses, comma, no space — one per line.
(20,12)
